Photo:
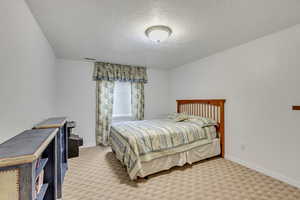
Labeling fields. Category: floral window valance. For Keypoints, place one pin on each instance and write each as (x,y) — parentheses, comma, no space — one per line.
(117,72)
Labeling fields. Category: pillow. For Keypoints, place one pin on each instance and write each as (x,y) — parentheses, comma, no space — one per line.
(203,120)
(178,117)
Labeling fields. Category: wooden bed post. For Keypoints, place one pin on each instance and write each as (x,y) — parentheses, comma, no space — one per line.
(209,108)
(222,128)
(178,106)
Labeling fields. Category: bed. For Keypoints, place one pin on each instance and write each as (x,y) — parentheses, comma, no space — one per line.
(150,146)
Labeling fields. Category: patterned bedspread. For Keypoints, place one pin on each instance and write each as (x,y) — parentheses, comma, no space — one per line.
(138,141)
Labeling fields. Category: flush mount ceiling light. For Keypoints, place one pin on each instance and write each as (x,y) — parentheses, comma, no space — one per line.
(158,33)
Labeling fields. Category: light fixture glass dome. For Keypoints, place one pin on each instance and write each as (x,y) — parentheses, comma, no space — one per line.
(158,33)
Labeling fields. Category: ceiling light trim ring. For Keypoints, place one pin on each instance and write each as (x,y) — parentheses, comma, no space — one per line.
(158,28)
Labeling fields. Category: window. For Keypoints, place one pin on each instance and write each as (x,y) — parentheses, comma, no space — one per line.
(122,99)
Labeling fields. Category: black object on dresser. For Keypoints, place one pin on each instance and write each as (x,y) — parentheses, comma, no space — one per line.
(62,146)
(70,126)
(74,140)
(28,166)
(74,143)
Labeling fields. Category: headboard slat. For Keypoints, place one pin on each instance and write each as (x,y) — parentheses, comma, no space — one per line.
(209,108)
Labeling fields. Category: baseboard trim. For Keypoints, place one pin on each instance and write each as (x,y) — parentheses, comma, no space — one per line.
(265,171)
(87,146)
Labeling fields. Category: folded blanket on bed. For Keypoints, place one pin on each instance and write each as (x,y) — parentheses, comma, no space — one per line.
(138,141)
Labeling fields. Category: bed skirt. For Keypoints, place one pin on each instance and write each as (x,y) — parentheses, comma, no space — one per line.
(178,159)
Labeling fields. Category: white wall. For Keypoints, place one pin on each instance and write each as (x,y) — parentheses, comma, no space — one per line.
(26,70)
(76,95)
(260,81)
(157,94)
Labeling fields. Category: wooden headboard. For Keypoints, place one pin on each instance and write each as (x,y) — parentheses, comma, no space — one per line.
(209,108)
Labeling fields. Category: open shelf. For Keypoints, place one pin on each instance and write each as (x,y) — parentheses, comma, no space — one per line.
(43,163)
(20,153)
(61,162)
(41,194)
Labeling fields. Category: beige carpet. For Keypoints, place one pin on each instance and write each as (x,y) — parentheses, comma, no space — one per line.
(98,175)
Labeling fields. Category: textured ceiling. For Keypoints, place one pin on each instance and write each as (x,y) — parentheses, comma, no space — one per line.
(113,30)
